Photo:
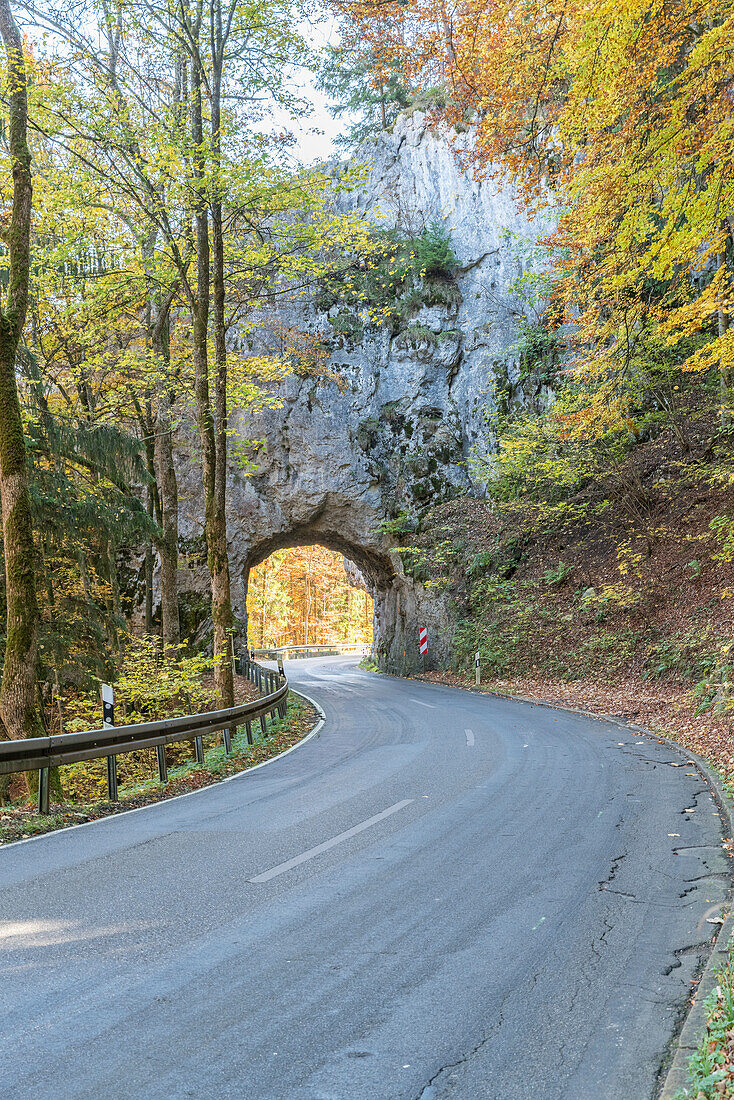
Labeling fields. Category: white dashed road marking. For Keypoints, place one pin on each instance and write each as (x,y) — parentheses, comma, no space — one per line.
(327,844)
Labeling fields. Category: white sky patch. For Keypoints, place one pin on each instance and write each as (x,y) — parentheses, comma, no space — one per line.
(316,132)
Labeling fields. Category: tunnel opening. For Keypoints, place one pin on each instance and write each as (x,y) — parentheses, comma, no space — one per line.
(308,595)
(397,607)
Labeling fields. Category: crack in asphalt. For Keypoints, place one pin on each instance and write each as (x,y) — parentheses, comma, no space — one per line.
(427,1092)
(678,952)
(711,874)
(616,862)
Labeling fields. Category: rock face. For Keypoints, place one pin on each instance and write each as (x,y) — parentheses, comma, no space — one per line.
(346,461)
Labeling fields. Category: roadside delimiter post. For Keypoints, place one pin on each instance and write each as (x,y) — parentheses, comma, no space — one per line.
(108,721)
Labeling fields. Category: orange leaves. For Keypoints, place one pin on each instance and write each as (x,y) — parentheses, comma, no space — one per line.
(619,114)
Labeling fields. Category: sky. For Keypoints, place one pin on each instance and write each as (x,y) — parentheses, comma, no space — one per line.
(315,140)
(315,134)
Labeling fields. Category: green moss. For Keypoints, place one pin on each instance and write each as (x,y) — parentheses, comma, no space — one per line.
(418,334)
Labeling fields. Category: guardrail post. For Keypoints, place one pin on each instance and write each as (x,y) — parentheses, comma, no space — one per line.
(199,750)
(283,707)
(264,725)
(227,742)
(248,730)
(112,778)
(160,751)
(44,791)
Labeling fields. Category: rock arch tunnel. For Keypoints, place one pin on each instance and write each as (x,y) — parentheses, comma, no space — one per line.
(312,483)
(400,605)
(391,427)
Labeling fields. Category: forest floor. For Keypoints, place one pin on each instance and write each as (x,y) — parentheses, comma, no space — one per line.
(22,819)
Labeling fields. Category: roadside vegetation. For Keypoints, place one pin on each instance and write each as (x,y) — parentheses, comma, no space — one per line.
(88,781)
(711,1068)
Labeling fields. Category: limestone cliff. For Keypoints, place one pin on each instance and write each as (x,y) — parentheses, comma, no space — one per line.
(394,435)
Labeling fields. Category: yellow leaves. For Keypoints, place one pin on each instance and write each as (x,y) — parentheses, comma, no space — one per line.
(629,122)
(629,559)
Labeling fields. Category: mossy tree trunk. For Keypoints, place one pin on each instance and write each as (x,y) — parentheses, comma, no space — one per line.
(19,716)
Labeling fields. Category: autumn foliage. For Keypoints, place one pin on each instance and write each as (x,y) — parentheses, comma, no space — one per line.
(303,596)
(620,116)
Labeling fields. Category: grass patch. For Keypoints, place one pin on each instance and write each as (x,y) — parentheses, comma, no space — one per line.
(711,1068)
(23,820)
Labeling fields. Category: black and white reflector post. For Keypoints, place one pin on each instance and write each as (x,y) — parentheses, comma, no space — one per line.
(478,668)
(108,721)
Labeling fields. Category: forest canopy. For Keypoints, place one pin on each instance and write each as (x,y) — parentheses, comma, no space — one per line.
(151,214)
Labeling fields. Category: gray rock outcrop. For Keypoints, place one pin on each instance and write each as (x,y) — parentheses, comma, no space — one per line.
(346,461)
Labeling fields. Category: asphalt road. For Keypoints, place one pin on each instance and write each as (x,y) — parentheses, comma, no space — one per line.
(439,895)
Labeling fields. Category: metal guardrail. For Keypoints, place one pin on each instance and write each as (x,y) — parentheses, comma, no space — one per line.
(292,652)
(43,753)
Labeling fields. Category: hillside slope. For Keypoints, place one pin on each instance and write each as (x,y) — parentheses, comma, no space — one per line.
(618,598)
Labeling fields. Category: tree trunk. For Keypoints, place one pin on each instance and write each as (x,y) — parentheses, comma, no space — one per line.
(262,604)
(150,507)
(19,716)
(168,546)
(308,599)
(218,557)
(214,520)
(724,371)
(160,464)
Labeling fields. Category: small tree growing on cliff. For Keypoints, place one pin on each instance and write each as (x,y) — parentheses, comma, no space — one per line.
(363,85)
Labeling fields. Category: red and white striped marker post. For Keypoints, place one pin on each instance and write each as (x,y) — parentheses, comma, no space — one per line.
(423,639)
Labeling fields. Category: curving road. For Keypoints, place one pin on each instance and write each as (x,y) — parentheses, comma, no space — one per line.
(439,895)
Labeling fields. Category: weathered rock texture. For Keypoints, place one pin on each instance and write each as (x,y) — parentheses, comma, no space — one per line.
(396,433)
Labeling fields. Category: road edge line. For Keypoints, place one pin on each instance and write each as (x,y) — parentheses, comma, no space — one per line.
(186,794)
